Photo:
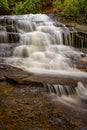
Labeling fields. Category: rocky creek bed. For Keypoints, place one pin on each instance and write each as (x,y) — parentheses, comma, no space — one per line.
(26,105)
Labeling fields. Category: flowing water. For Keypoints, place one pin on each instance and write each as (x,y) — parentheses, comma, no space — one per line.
(42,46)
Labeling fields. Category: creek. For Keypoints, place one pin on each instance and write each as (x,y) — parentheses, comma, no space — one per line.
(45,48)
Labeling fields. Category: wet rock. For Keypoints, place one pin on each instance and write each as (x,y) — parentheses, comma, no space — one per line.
(82,64)
(6,50)
(11,28)
(3,37)
(13,37)
(2,79)
(29,107)
(2,28)
(5,21)
(21,77)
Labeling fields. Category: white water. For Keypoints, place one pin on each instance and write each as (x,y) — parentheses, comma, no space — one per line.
(43,50)
(74,97)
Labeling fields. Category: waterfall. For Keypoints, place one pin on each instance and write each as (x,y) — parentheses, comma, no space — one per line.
(67,90)
(72,96)
(42,46)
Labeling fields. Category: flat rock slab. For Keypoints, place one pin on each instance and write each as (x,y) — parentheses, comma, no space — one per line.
(16,75)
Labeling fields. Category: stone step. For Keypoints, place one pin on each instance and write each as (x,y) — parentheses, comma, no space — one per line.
(4,21)
(7,49)
(9,37)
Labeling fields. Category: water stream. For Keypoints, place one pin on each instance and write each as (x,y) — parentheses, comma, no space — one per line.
(42,46)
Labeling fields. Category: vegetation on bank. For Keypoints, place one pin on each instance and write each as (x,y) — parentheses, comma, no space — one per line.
(75,9)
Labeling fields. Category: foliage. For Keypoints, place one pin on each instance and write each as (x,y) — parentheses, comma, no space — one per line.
(4,4)
(11,3)
(28,6)
(58,4)
(71,7)
(83,7)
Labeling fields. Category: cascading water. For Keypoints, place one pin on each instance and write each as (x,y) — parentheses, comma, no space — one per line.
(41,46)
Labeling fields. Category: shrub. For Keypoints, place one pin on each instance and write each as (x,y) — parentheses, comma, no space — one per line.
(82,6)
(28,6)
(71,7)
(4,7)
(58,4)
(4,4)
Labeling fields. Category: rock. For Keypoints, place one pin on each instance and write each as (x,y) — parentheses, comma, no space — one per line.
(6,50)
(8,21)
(2,28)
(3,37)
(82,64)
(13,37)
(25,104)
(2,79)
(11,28)
(21,77)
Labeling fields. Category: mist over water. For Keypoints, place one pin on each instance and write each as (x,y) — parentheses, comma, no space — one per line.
(42,46)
